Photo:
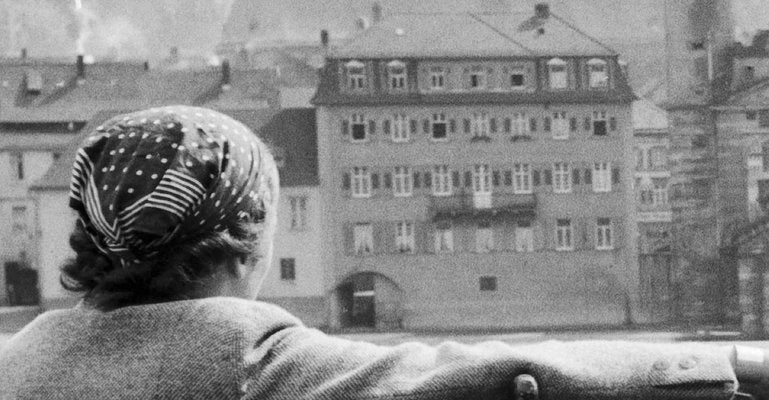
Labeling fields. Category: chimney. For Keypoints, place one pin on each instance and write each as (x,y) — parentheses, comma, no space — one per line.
(146,65)
(80,67)
(376,13)
(225,72)
(542,10)
(24,54)
(174,54)
(324,38)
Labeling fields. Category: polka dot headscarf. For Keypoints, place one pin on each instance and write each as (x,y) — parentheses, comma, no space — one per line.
(146,180)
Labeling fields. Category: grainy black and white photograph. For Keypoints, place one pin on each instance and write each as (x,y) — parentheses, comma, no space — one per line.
(384,199)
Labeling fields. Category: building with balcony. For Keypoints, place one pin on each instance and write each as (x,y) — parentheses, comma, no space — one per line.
(475,172)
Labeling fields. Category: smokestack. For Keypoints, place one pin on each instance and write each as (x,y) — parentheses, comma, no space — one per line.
(146,65)
(80,67)
(24,54)
(324,38)
(225,72)
(376,12)
(542,10)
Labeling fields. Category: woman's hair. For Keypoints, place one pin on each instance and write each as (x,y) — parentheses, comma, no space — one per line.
(178,273)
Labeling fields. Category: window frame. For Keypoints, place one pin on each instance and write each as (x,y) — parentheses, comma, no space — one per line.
(559,125)
(602,177)
(519,125)
(444,232)
(396,82)
(484,237)
(564,235)
(400,131)
(437,75)
(404,237)
(298,213)
(480,124)
(524,238)
(360,182)
(478,74)
(356,81)
(562,75)
(442,176)
(598,79)
(604,234)
(522,173)
(516,72)
(562,177)
(358,119)
(439,119)
(363,239)
(600,120)
(402,184)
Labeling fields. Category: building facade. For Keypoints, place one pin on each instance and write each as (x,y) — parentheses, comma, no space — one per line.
(477,183)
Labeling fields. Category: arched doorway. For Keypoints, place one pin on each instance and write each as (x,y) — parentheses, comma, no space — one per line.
(368,300)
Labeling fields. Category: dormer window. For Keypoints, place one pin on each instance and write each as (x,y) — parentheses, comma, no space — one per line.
(437,78)
(396,70)
(478,78)
(356,75)
(557,73)
(517,79)
(598,73)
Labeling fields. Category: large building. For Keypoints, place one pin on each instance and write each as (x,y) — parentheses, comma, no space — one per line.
(477,176)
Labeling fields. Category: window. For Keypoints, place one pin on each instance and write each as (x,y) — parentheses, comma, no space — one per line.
(444,238)
(563,235)
(519,125)
(358,127)
(437,78)
(557,74)
(561,177)
(356,75)
(639,159)
(402,184)
(560,125)
(598,73)
(517,79)
(439,126)
(480,125)
(19,219)
(599,123)
(481,179)
(488,283)
(603,237)
(602,177)
(658,157)
(524,238)
(484,238)
(361,182)
(645,193)
(363,239)
(478,78)
(17,165)
(397,74)
(298,207)
(400,128)
(404,237)
(287,269)
(660,191)
(441,180)
(750,115)
(522,178)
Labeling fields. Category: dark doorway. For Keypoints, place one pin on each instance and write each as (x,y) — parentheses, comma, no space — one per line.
(21,284)
(358,302)
(656,288)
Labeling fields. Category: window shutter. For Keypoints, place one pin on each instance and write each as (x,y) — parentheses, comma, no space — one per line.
(345,128)
(613,124)
(375,181)
(508,125)
(452,125)
(371,127)
(495,178)
(588,176)
(575,176)
(617,232)
(615,176)
(535,177)
(386,127)
(573,124)
(468,179)
(413,126)
(493,125)
(388,181)
(546,124)
(548,177)
(425,126)
(346,181)
(587,124)
(378,237)
(467,125)
(533,124)
(428,179)
(417,182)
(349,238)
(508,178)
(455,178)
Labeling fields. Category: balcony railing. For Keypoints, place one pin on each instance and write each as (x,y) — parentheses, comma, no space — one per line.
(484,205)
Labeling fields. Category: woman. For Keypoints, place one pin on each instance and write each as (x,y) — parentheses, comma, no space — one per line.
(177,210)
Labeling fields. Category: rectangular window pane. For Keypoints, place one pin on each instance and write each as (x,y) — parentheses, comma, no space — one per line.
(287,269)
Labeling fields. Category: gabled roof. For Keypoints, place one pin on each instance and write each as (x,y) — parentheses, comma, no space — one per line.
(471,35)
(253,89)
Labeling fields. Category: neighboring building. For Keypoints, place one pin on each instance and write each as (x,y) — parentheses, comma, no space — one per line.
(477,183)
(699,35)
(654,215)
